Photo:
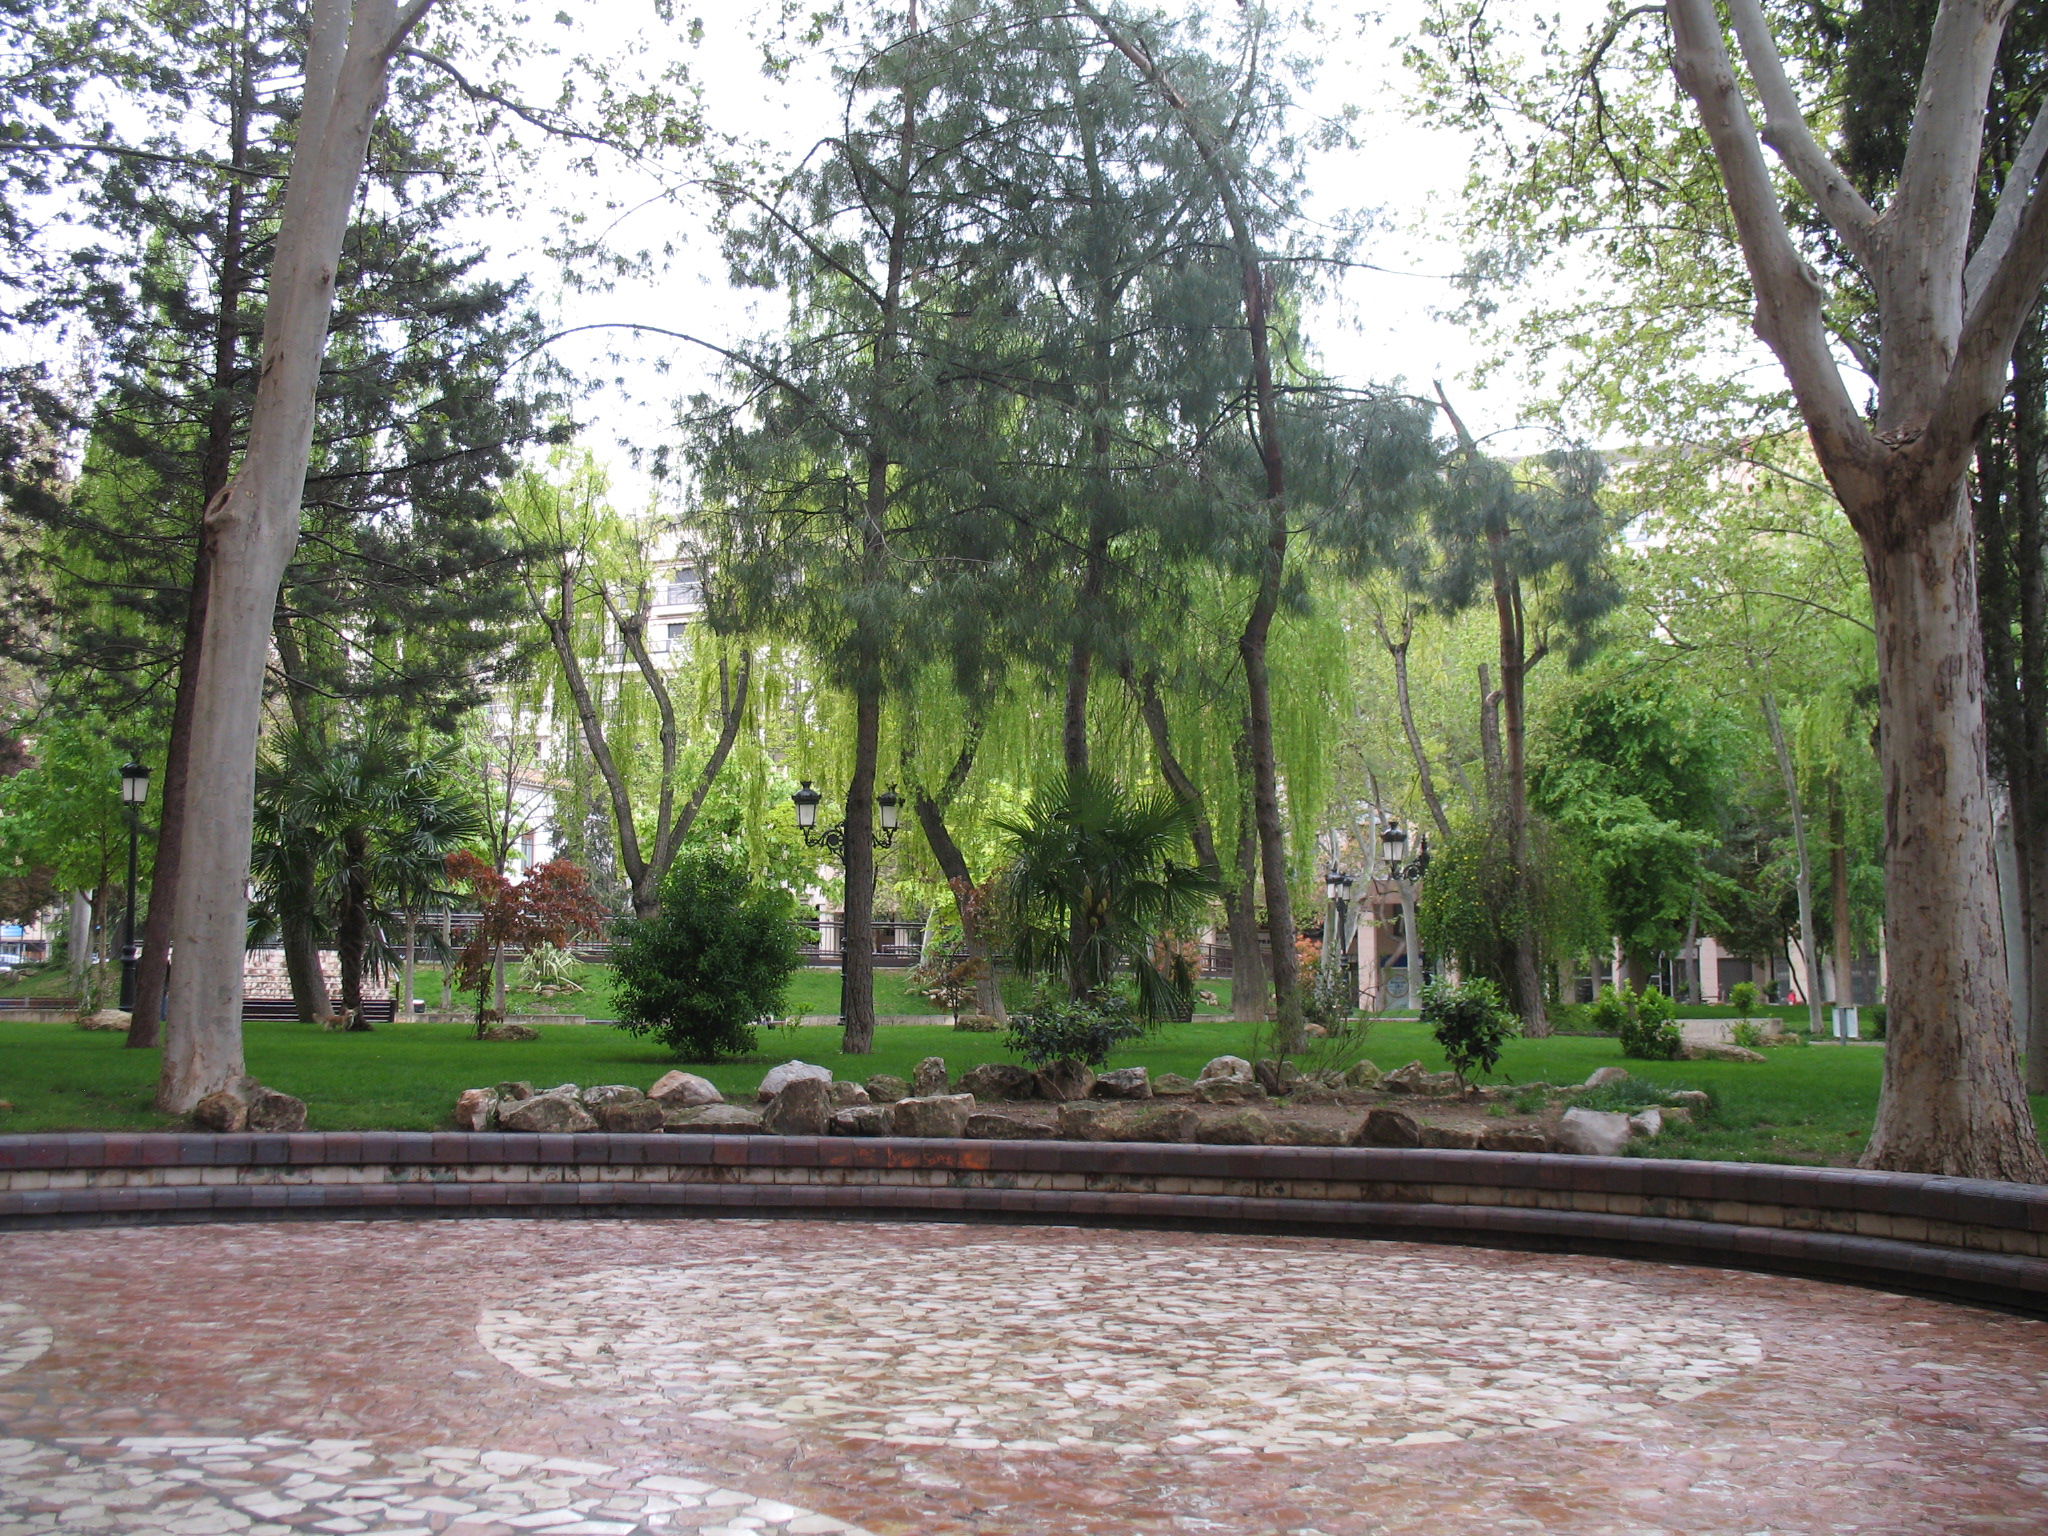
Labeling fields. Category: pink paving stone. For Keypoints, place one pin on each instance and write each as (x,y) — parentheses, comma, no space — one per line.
(935,1379)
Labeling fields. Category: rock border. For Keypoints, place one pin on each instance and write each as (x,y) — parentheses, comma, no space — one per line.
(1955,1238)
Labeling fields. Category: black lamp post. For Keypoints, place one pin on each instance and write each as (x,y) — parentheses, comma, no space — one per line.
(1337,888)
(1406,873)
(134,791)
(833,838)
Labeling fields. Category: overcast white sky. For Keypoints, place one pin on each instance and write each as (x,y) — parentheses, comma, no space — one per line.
(1379,326)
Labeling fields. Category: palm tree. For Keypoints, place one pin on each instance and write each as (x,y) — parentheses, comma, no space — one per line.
(1092,883)
(354,833)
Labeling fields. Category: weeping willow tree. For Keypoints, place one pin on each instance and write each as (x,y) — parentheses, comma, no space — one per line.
(657,726)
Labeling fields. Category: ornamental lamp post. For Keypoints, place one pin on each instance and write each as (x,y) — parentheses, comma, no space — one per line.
(1405,873)
(833,840)
(134,792)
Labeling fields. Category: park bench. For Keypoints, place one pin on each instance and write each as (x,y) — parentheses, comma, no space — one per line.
(258,1008)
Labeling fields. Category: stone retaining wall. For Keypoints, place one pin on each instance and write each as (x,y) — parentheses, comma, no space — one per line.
(1959,1238)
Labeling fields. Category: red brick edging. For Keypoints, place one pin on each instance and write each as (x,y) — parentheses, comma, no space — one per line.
(1965,1239)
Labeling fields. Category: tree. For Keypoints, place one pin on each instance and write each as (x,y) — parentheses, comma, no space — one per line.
(363,825)
(715,960)
(591,594)
(1948,318)
(1092,886)
(251,529)
(553,905)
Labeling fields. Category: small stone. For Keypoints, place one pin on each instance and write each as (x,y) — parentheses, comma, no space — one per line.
(1293,1131)
(858,1120)
(887,1088)
(803,1108)
(977,1023)
(548,1113)
(514,1090)
(105,1018)
(1147,1120)
(1315,1031)
(1690,1098)
(500,1034)
(1363,1074)
(1278,1076)
(1450,1137)
(1229,1090)
(935,1115)
(1404,1079)
(1602,1076)
(611,1093)
(631,1117)
(1062,1081)
(1388,1128)
(1241,1128)
(1226,1066)
(1593,1133)
(847,1095)
(224,1111)
(1647,1123)
(928,1079)
(682,1090)
(1723,1053)
(1677,1114)
(999,1080)
(1123,1083)
(983,1126)
(1316,1093)
(1501,1139)
(1171,1085)
(712,1120)
(779,1078)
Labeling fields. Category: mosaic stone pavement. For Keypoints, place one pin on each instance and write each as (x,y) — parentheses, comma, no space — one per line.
(1139,1351)
(487,1378)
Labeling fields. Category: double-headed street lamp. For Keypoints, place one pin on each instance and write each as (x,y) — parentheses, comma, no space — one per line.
(134,791)
(833,838)
(1406,873)
(1341,928)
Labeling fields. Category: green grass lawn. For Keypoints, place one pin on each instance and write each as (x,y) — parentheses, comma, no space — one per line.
(1810,1105)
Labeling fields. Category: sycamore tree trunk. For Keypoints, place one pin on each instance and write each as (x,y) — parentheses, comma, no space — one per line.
(1843,946)
(250,532)
(1949,317)
(1248,994)
(931,811)
(1952,1090)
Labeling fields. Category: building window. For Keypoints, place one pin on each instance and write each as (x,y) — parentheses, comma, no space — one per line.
(526,849)
(673,639)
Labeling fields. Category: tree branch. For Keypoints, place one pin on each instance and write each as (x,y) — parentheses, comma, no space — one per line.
(1785,130)
(2020,193)
(1789,315)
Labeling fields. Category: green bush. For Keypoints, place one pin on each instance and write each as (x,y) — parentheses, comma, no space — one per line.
(1871,1022)
(1645,1022)
(1744,996)
(1084,1029)
(1471,1022)
(1748,1034)
(716,959)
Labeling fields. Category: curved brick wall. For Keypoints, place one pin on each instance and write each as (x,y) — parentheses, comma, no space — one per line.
(1960,1238)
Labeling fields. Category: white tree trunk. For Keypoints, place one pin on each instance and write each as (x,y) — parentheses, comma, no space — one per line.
(251,530)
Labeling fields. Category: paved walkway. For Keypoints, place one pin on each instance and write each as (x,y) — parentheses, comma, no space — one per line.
(488,1378)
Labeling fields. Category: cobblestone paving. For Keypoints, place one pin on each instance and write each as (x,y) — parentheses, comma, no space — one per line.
(1141,1351)
(487,1378)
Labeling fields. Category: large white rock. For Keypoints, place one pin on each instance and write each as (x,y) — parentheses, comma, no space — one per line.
(1647,1122)
(781,1077)
(1236,1068)
(1594,1133)
(680,1090)
(1602,1076)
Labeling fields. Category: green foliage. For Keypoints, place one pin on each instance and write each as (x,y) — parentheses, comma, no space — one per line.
(1625,1097)
(1748,1034)
(549,965)
(1092,883)
(1643,1020)
(1083,1029)
(1475,905)
(1471,1022)
(1744,996)
(717,958)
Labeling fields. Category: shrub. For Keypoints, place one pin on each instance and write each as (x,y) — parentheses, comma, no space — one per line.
(1871,1021)
(1748,1034)
(1624,1097)
(717,957)
(1744,997)
(1643,1020)
(1084,1029)
(1470,1022)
